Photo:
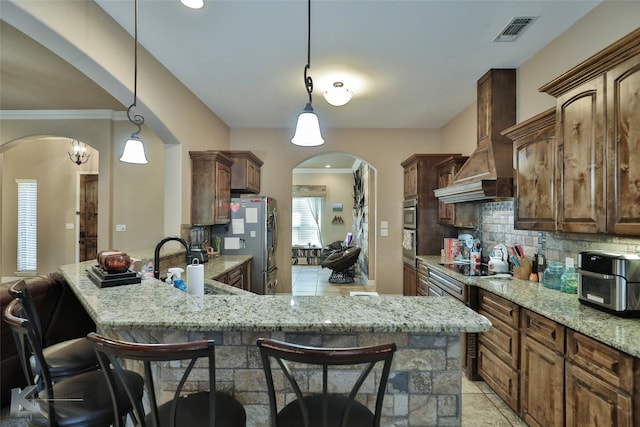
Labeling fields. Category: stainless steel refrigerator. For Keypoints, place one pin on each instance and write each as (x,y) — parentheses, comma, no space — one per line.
(253,230)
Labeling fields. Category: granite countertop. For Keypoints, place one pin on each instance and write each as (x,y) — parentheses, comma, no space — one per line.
(617,332)
(152,305)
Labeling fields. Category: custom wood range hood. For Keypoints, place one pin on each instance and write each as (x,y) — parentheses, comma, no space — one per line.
(488,173)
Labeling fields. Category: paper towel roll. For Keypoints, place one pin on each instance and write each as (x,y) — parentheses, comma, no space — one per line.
(195,279)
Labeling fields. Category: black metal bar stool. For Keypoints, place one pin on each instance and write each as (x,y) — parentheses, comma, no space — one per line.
(323,408)
(78,400)
(63,359)
(203,408)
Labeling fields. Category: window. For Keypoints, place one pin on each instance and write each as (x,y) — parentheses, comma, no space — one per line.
(27,225)
(305,221)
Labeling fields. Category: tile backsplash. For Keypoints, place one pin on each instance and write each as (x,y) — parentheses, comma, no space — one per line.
(496,226)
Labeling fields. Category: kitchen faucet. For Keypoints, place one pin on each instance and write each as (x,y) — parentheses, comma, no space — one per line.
(156,256)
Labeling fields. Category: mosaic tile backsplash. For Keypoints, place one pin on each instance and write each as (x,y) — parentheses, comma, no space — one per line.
(496,226)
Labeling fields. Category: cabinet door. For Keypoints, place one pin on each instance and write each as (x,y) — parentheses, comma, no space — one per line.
(409,281)
(623,126)
(541,384)
(498,375)
(580,120)
(593,402)
(534,161)
(223,194)
(445,210)
(411,180)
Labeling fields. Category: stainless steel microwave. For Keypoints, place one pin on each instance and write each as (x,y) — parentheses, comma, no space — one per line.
(410,213)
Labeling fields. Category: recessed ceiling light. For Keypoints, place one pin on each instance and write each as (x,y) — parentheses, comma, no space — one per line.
(327,166)
(193,4)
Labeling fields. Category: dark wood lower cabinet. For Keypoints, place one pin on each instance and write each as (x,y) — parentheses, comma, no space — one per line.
(542,385)
(408,281)
(593,402)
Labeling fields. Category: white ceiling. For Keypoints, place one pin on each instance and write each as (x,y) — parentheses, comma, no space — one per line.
(410,63)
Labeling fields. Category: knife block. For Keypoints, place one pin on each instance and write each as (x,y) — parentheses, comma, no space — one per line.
(524,270)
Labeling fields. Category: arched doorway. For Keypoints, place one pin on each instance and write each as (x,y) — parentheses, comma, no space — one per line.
(346,185)
(44,160)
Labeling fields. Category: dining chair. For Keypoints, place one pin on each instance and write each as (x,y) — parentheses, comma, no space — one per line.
(326,406)
(185,409)
(64,359)
(81,400)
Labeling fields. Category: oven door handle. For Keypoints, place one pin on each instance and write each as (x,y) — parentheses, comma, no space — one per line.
(596,275)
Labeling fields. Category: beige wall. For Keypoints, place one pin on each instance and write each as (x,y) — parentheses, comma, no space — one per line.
(127,194)
(339,190)
(383,149)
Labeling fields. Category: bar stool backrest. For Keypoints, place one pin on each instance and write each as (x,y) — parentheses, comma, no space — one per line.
(324,408)
(221,408)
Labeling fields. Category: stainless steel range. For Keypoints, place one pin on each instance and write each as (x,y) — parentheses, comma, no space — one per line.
(610,281)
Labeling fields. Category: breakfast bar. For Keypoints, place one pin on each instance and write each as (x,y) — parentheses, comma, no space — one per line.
(424,387)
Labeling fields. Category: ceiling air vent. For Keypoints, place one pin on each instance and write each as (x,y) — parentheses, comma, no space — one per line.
(515,28)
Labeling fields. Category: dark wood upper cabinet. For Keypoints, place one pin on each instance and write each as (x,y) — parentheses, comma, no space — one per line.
(245,172)
(598,135)
(210,187)
(534,154)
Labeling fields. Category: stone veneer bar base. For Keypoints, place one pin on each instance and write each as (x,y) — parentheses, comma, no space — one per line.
(423,390)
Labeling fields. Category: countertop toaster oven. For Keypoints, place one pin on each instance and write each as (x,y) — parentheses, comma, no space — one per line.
(610,281)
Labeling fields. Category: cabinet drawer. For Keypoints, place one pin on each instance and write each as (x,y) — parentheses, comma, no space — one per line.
(499,376)
(545,331)
(500,308)
(448,284)
(502,339)
(422,268)
(609,364)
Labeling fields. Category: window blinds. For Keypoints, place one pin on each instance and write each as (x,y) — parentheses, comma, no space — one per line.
(27,225)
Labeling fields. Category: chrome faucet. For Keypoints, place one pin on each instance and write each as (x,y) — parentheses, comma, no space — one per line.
(156,256)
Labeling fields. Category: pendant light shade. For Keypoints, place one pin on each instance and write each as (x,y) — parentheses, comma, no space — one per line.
(134,151)
(308,129)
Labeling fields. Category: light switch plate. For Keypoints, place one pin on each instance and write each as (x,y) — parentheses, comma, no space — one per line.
(121,227)
(253,233)
(384,232)
(70,226)
(384,224)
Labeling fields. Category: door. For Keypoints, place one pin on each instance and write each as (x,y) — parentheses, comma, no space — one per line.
(88,228)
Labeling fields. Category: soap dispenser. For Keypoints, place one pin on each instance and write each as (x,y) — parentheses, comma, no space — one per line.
(178,283)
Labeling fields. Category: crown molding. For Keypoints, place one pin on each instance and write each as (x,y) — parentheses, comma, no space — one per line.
(62,115)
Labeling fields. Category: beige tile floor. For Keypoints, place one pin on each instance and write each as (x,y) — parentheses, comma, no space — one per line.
(481,407)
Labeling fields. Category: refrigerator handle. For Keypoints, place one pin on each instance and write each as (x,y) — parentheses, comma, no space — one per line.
(274,237)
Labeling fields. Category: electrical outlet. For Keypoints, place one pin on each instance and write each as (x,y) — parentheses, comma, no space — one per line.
(69,226)
(121,227)
(384,232)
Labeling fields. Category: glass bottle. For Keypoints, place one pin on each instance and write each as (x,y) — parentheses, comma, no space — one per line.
(569,278)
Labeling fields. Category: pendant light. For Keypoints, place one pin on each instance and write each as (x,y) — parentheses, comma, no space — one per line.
(134,149)
(308,128)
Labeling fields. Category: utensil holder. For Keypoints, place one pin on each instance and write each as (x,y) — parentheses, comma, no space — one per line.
(524,270)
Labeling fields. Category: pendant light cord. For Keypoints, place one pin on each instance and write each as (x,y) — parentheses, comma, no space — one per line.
(137,119)
(307,79)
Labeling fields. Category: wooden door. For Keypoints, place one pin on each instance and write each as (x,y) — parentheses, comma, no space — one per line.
(541,385)
(623,138)
(580,118)
(88,231)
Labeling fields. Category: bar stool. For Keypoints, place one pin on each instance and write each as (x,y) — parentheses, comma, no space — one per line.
(63,359)
(81,400)
(204,408)
(325,408)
